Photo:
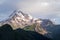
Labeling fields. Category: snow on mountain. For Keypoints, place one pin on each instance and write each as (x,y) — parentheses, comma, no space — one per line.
(18,19)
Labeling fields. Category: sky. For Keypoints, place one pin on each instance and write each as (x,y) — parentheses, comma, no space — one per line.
(45,9)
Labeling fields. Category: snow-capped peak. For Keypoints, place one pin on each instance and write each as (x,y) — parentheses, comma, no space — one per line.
(20,14)
(20,19)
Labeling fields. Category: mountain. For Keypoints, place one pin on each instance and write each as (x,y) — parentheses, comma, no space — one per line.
(18,19)
(7,33)
(52,32)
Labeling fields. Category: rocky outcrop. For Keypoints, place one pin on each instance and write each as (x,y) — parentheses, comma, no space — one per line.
(18,19)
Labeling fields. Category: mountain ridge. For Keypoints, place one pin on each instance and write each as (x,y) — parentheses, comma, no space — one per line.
(18,19)
(7,33)
(22,19)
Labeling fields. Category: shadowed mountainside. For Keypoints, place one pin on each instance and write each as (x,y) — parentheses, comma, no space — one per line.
(53,31)
(7,33)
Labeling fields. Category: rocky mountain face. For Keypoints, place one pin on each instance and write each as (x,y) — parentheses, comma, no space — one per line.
(18,19)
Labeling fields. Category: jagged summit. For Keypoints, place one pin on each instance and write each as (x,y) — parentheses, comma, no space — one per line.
(18,19)
(20,14)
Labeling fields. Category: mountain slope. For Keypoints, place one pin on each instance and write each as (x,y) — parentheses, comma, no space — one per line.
(18,19)
(7,33)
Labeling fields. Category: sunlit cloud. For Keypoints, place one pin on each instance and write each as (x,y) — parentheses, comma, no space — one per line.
(44,3)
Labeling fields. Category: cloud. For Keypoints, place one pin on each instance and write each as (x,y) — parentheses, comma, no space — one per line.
(40,8)
(37,8)
(2,1)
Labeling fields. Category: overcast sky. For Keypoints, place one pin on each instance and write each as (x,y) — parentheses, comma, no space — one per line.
(47,9)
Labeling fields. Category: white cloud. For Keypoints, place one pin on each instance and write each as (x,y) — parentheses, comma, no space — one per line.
(38,8)
(43,9)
